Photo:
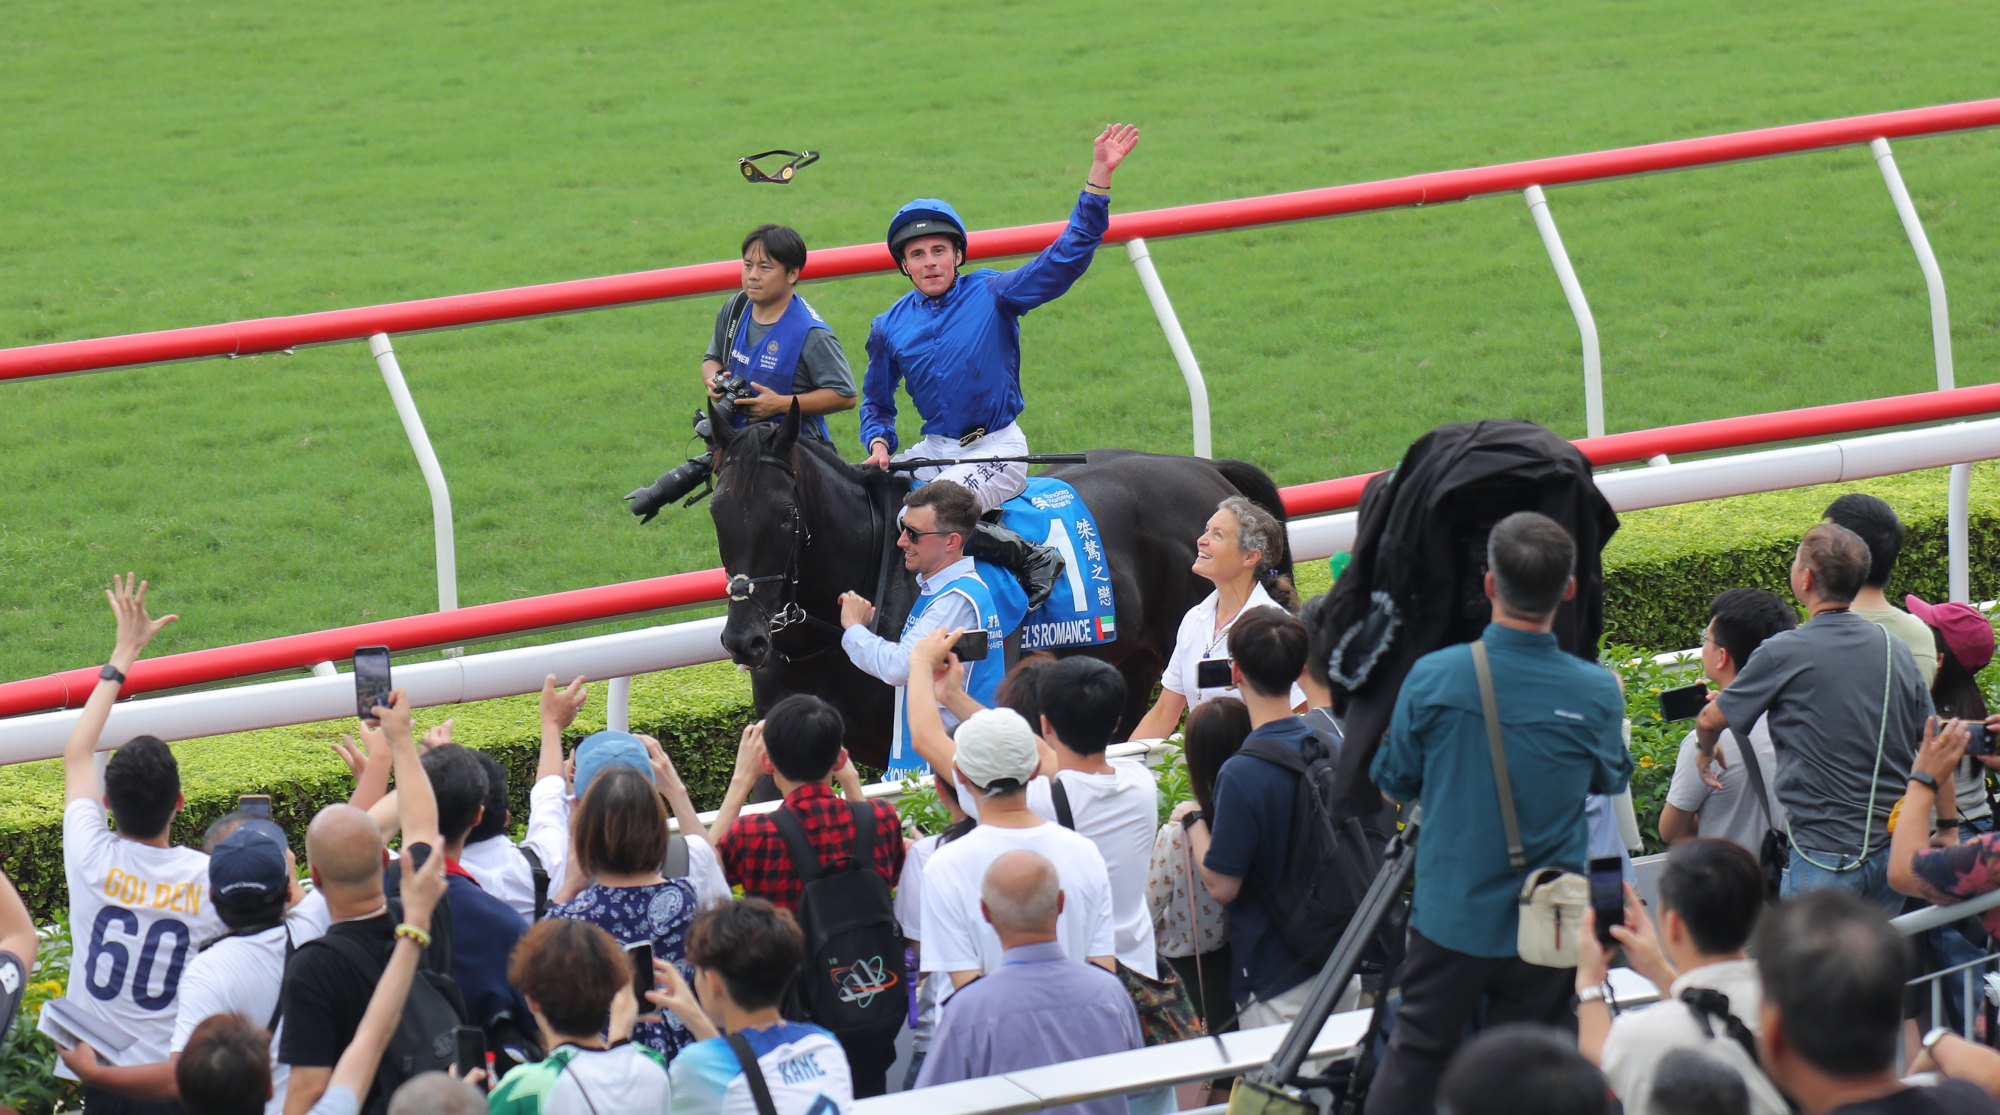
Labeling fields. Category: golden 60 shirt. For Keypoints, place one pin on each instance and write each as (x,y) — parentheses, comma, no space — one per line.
(138,914)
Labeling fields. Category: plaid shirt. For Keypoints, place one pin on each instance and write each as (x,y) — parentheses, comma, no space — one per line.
(754,856)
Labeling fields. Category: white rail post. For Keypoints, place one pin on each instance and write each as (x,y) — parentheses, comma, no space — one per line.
(1958,509)
(413,425)
(618,705)
(1586,326)
(1170,324)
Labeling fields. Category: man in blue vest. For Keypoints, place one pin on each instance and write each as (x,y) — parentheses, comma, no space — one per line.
(775,343)
(938,518)
(955,343)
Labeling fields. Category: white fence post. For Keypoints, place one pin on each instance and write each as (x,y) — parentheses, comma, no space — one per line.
(413,425)
(1142,261)
(1586,326)
(618,705)
(1958,509)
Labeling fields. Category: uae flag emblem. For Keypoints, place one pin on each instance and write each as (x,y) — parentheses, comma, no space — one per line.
(1107,629)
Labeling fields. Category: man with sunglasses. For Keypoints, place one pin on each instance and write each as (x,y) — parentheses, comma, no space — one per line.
(938,517)
(955,343)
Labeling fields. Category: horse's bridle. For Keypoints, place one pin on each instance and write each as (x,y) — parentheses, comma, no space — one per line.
(743,588)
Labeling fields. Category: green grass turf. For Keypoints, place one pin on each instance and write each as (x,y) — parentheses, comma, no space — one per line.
(178,164)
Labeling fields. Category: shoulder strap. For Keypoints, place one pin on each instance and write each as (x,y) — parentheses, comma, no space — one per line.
(1755,770)
(804,860)
(753,1074)
(735,310)
(1707,1003)
(540,875)
(676,865)
(278,1011)
(355,954)
(864,834)
(1059,794)
(1275,753)
(1517,857)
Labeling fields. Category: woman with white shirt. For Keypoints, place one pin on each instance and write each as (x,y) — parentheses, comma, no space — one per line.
(1239,550)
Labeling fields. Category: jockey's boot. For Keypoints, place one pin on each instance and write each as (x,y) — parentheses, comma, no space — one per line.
(1036,567)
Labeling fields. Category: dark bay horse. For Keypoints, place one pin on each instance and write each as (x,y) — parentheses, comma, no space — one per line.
(797,526)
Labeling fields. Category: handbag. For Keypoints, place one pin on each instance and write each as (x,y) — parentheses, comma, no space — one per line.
(1552,900)
(1774,852)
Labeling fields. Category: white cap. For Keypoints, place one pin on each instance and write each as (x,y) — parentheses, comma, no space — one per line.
(996,744)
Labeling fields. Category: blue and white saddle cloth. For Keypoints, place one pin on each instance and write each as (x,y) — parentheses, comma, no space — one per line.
(1081,611)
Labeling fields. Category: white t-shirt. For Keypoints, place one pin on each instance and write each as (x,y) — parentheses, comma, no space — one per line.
(1198,639)
(802,1065)
(956,937)
(549,805)
(138,914)
(1731,813)
(242,975)
(909,914)
(1118,812)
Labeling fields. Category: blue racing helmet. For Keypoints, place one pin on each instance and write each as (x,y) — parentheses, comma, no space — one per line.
(926,216)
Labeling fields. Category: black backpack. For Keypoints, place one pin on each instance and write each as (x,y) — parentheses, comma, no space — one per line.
(1329,859)
(852,982)
(426,1036)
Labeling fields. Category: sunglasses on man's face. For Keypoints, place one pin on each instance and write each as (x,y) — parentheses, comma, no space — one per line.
(800,160)
(915,535)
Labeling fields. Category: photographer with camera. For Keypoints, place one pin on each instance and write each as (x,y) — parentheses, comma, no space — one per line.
(770,347)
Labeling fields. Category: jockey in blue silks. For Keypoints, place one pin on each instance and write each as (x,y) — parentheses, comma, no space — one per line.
(955,343)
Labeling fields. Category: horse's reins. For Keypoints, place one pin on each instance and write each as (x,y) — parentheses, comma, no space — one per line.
(743,587)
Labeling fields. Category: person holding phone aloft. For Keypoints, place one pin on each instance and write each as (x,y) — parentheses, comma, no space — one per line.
(938,519)
(1239,551)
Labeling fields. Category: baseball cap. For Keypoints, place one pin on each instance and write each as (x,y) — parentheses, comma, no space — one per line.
(247,868)
(607,749)
(996,744)
(1968,634)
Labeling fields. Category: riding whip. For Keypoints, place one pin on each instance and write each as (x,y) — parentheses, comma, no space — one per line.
(1031,458)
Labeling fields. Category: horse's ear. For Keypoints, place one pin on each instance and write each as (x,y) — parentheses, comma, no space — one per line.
(719,429)
(788,432)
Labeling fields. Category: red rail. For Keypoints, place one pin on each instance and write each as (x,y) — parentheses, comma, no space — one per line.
(275,334)
(611,602)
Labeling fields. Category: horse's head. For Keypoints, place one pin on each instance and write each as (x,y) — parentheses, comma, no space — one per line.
(761,510)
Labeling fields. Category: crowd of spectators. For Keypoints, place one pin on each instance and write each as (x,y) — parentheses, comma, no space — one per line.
(623,955)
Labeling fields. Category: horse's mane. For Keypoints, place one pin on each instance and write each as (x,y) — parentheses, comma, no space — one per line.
(755,440)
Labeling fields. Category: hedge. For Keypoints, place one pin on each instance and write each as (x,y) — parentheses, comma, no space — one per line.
(1661,569)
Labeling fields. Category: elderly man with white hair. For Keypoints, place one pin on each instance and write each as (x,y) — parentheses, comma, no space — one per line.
(1040,1006)
(995,757)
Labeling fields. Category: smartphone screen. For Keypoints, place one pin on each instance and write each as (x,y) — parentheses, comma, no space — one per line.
(1213,673)
(471,1042)
(1684,703)
(642,972)
(1607,896)
(970,647)
(371,680)
(257,805)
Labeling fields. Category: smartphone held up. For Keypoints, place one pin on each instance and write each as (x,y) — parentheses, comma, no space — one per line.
(371,681)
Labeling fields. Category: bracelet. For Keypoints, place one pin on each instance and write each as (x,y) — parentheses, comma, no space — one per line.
(411,932)
(1952,824)
(1095,186)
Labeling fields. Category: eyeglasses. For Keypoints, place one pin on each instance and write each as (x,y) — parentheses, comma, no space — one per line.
(913,534)
(800,160)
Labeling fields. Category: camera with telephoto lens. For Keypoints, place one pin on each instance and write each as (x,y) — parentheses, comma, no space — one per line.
(734,387)
(678,481)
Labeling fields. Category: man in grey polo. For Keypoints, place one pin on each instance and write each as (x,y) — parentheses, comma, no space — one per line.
(1039,1007)
(1846,708)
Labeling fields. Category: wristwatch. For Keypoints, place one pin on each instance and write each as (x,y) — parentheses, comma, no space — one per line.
(1936,1035)
(112,674)
(1592,994)
(1923,778)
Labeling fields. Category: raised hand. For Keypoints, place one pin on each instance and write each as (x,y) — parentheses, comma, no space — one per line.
(127,595)
(438,736)
(560,706)
(1109,149)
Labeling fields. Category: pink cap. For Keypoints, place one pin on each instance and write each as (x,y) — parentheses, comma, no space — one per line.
(1968,634)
